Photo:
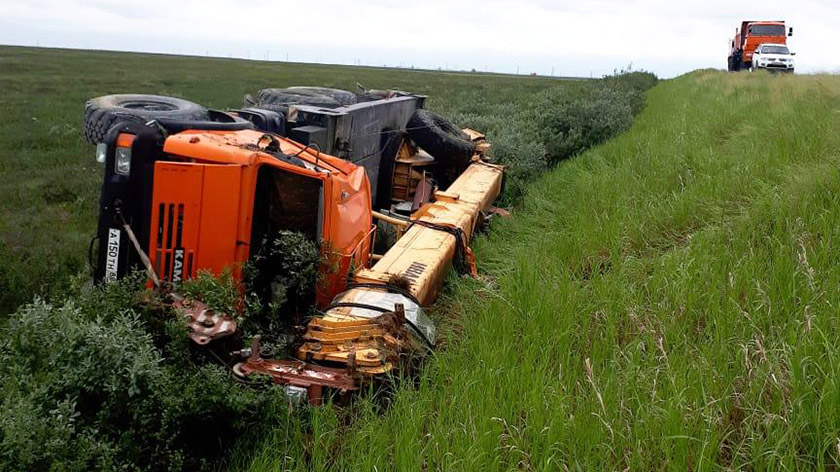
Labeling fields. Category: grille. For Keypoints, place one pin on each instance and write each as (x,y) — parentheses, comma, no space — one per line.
(173,263)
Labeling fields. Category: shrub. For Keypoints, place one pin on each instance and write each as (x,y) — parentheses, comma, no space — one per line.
(281,282)
(574,118)
(520,148)
(286,269)
(67,380)
(86,385)
(636,83)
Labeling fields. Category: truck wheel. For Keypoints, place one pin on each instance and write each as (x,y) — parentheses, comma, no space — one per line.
(281,109)
(273,96)
(102,113)
(341,96)
(440,138)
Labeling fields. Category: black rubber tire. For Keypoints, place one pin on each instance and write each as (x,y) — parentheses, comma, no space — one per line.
(216,121)
(341,96)
(102,113)
(287,97)
(282,109)
(443,140)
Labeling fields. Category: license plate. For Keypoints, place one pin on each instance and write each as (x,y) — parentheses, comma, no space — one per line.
(112,257)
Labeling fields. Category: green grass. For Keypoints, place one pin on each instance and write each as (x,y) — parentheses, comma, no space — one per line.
(665,301)
(49,181)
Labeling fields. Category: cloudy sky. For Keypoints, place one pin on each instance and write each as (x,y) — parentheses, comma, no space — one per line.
(572,38)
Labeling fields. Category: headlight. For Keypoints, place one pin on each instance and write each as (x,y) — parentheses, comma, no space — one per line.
(122,163)
(101,150)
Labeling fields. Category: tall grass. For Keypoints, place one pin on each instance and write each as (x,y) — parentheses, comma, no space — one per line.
(665,301)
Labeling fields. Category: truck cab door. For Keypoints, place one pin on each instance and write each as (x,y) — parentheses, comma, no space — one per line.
(195,219)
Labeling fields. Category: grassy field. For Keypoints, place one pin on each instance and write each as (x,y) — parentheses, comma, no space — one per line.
(665,301)
(49,181)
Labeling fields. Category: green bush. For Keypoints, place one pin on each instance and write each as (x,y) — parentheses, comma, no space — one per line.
(93,384)
(636,83)
(521,149)
(574,118)
(286,269)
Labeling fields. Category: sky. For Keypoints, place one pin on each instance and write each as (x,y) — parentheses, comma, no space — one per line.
(561,38)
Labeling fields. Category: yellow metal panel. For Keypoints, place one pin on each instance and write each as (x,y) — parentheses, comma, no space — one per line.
(422,255)
(420,258)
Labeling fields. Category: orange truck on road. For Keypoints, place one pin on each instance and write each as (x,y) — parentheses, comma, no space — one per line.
(749,36)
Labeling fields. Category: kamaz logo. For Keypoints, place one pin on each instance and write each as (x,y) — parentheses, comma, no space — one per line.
(178,265)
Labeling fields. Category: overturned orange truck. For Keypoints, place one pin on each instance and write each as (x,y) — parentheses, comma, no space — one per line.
(188,189)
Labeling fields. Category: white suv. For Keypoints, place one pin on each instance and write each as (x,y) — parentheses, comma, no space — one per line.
(775,57)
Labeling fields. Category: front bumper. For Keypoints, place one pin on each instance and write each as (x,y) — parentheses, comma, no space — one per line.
(776,66)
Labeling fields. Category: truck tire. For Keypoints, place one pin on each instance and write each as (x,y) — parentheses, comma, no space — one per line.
(102,113)
(341,96)
(273,96)
(440,138)
(281,109)
(216,121)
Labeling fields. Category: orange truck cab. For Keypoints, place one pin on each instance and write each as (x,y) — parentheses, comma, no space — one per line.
(205,195)
(205,199)
(749,36)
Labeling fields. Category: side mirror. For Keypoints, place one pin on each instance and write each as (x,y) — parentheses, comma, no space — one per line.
(790,31)
(793,54)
